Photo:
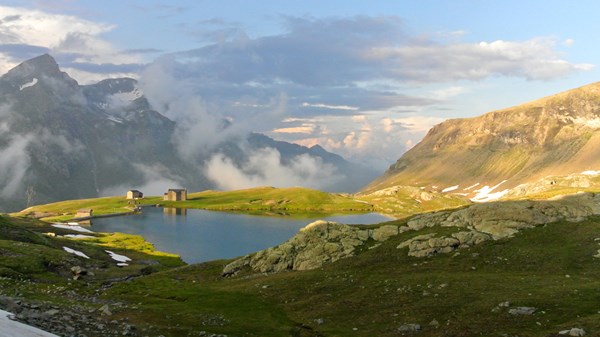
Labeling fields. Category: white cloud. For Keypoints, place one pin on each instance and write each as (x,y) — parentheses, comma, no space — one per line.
(76,43)
(328,106)
(304,128)
(202,126)
(446,93)
(535,59)
(264,168)
(37,28)
(157,180)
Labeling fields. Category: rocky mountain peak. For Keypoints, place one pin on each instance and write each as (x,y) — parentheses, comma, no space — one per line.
(36,67)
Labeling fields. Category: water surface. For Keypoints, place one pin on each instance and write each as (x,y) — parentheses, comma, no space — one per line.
(201,235)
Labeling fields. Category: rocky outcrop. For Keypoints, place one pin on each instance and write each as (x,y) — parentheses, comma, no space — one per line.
(504,219)
(429,244)
(315,244)
(322,241)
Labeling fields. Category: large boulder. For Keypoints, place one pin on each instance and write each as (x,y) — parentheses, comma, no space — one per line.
(315,244)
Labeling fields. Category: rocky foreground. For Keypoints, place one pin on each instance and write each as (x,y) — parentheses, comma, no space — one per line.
(321,241)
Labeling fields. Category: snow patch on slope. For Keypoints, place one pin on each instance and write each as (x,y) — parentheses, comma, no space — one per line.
(76,252)
(470,187)
(450,189)
(117,257)
(593,123)
(123,99)
(10,327)
(591,173)
(74,227)
(29,84)
(485,194)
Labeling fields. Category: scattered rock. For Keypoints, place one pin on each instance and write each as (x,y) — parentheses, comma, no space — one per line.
(385,232)
(78,272)
(504,304)
(434,324)
(526,311)
(428,244)
(105,310)
(573,332)
(412,327)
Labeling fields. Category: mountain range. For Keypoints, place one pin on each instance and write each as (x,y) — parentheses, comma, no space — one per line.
(61,140)
(490,154)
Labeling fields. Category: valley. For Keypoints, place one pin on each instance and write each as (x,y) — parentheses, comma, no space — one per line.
(495,228)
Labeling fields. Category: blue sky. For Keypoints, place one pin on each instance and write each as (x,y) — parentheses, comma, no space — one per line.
(365,79)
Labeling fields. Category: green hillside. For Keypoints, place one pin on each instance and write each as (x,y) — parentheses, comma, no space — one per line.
(380,291)
(398,202)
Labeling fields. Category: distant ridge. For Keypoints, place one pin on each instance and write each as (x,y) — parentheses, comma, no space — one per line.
(65,141)
(555,135)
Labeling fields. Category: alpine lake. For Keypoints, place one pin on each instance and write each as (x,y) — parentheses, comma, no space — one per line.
(200,235)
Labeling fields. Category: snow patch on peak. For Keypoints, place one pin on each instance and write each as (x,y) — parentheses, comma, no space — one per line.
(123,99)
(29,84)
(114,119)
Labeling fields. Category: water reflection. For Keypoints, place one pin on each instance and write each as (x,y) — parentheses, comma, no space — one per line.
(174,211)
(198,235)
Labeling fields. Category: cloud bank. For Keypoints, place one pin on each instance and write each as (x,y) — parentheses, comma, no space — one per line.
(264,168)
(337,82)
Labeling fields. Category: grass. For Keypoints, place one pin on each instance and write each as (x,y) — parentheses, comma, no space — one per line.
(376,292)
(66,210)
(256,200)
(549,267)
(408,201)
(295,201)
(272,199)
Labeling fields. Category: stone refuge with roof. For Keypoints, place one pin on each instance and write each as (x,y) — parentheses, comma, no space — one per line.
(134,194)
(176,194)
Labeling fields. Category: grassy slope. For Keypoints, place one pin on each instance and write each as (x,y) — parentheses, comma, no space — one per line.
(64,210)
(383,288)
(520,144)
(374,292)
(270,198)
(408,201)
(263,200)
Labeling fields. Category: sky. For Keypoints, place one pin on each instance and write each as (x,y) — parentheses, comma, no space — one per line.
(364,79)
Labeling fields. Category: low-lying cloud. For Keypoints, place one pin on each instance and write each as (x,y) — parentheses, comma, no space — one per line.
(14,164)
(265,168)
(156,180)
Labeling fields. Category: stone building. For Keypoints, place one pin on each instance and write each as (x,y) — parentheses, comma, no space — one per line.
(134,194)
(84,213)
(176,194)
